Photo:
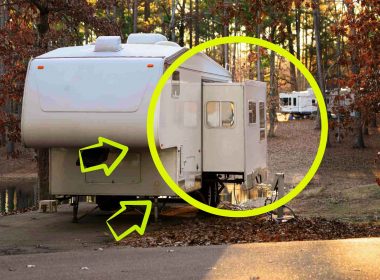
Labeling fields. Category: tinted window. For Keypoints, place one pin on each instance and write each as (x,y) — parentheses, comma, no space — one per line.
(176,84)
(251,112)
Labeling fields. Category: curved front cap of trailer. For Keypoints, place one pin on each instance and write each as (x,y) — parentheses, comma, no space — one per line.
(70,102)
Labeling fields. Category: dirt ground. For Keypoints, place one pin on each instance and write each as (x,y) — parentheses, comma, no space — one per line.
(293,149)
(344,187)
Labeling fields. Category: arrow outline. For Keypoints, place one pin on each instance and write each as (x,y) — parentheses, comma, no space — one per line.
(107,170)
(139,229)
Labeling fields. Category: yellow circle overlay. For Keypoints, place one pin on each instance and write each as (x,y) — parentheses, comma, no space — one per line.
(151,122)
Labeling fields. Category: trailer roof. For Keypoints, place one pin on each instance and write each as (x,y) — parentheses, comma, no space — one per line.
(128,50)
(308,92)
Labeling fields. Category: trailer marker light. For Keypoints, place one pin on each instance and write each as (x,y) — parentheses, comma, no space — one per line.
(40,67)
(150,65)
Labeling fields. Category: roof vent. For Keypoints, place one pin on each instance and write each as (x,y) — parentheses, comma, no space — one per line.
(167,43)
(108,44)
(145,38)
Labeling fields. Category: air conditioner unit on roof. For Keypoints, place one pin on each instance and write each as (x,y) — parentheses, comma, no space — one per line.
(145,38)
(108,44)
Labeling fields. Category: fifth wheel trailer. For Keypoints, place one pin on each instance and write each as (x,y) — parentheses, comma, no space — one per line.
(208,130)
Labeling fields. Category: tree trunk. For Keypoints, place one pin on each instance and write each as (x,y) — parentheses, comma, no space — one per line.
(250,69)
(358,132)
(258,62)
(146,10)
(135,4)
(191,24)
(365,128)
(11,199)
(225,34)
(172,20)
(298,43)
(358,122)
(233,62)
(10,147)
(316,20)
(181,39)
(43,24)
(273,90)
(306,53)
(197,29)
(3,20)
(273,87)
(43,154)
(292,68)
(2,200)
(373,121)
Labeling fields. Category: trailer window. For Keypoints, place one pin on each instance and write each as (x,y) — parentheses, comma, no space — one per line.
(251,112)
(176,84)
(227,113)
(220,114)
(285,101)
(294,101)
(262,120)
(212,114)
(313,101)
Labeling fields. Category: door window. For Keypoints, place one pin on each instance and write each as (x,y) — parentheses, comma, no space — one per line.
(227,112)
(220,114)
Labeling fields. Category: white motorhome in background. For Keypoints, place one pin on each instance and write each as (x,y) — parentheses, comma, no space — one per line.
(208,130)
(298,102)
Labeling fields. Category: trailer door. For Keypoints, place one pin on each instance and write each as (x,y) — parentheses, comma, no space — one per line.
(223,127)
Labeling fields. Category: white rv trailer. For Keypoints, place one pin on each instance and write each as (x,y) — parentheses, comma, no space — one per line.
(298,102)
(208,130)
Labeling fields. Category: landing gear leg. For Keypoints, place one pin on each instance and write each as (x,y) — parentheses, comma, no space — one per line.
(210,189)
(75,204)
(155,203)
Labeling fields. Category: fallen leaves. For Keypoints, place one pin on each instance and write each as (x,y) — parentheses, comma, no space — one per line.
(204,231)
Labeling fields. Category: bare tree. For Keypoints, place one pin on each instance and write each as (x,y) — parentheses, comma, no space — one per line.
(292,68)
(273,96)
(197,27)
(172,20)
(320,76)
(135,5)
